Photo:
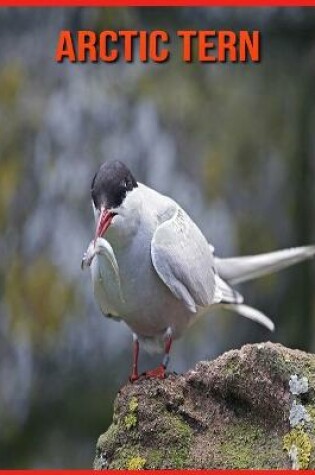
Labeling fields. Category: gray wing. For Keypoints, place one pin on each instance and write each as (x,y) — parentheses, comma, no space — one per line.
(184,261)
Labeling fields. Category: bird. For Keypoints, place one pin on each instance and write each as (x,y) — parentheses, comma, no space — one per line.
(152,267)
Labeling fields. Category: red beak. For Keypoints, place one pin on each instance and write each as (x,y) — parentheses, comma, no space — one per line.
(104,222)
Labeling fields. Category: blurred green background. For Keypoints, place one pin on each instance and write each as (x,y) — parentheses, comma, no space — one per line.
(233,144)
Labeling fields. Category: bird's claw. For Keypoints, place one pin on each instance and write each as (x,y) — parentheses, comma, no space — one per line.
(133,377)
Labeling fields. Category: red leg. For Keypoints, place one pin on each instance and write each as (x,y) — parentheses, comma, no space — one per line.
(134,376)
(159,372)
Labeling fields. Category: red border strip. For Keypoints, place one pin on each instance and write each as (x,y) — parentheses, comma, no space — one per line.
(157,3)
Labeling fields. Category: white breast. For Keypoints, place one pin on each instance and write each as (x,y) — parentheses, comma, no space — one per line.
(139,296)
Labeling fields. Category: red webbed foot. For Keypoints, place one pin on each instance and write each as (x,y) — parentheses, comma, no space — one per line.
(158,373)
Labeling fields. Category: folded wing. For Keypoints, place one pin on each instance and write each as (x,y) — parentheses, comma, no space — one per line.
(184,261)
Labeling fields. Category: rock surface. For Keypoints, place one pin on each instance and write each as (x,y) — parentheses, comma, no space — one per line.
(249,408)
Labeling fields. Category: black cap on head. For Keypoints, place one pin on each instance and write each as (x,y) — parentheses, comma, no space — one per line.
(111,184)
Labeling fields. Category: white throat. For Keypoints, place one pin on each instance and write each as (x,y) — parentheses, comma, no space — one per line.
(125,224)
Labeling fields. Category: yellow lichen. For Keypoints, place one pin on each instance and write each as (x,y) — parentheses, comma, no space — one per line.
(130,421)
(299,439)
(131,418)
(133,405)
(136,463)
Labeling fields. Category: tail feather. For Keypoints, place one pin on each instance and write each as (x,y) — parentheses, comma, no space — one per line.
(224,293)
(240,269)
(252,314)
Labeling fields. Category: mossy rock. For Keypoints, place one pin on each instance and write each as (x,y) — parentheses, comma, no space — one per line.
(232,412)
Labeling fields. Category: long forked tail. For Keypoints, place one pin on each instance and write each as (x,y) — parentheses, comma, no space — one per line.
(251,313)
(240,269)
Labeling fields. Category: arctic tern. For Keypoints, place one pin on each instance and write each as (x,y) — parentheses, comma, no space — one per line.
(152,267)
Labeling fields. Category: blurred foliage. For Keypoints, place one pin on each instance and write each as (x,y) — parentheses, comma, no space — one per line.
(37,297)
(232,143)
(9,176)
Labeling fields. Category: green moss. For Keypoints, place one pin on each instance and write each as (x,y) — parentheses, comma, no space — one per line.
(309,371)
(106,445)
(168,447)
(274,361)
(182,430)
(108,441)
(136,463)
(241,448)
(122,456)
(299,438)
(175,440)
(178,457)
(170,443)
(154,458)
(238,447)
(126,456)
(311,411)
